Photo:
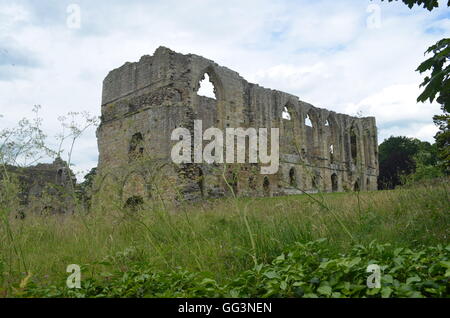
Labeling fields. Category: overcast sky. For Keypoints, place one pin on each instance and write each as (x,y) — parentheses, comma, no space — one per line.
(350,56)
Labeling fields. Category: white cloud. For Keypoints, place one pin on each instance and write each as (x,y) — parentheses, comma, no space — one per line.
(395,103)
(423,132)
(321,51)
(11,15)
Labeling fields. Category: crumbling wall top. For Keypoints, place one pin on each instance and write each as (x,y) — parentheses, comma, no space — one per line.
(166,68)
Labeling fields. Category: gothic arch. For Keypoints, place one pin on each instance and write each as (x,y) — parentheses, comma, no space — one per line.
(292,177)
(312,133)
(252,182)
(334,182)
(214,79)
(289,131)
(201,181)
(333,138)
(232,182)
(266,186)
(103,180)
(357,185)
(134,185)
(136,147)
(368,146)
(354,135)
(315,182)
(107,192)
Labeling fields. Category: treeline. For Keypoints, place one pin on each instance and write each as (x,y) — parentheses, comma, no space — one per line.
(404,160)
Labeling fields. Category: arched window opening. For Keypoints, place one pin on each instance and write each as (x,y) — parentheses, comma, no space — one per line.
(201,182)
(356,187)
(233,182)
(60,176)
(134,203)
(334,182)
(353,145)
(367,148)
(292,178)
(331,151)
(136,148)
(266,186)
(286,114)
(288,130)
(368,183)
(327,124)
(315,182)
(252,183)
(206,87)
(308,121)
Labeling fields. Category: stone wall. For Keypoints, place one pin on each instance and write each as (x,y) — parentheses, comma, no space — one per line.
(45,187)
(143,102)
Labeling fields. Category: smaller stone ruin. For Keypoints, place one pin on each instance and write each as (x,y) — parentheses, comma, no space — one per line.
(45,187)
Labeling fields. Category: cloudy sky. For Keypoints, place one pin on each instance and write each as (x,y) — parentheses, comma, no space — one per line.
(350,56)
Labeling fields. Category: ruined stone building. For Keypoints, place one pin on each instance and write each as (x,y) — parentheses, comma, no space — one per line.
(143,102)
(45,187)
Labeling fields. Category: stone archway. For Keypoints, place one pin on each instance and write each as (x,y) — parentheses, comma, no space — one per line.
(292,178)
(312,133)
(134,188)
(334,182)
(357,186)
(333,139)
(266,186)
(107,193)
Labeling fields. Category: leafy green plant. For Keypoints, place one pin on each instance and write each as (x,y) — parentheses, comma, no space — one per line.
(305,270)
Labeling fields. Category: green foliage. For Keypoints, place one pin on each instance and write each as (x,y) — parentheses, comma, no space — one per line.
(305,270)
(443,140)
(89,178)
(84,189)
(427,165)
(204,249)
(396,158)
(428,4)
(438,83)
(405,160)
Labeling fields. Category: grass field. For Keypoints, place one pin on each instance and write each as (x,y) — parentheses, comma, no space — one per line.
(221,242)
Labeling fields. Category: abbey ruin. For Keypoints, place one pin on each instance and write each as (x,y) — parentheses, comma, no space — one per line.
(143,102)
(45,188)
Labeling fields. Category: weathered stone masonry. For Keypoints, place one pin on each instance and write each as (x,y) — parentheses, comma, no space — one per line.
(144,102)
(52,183)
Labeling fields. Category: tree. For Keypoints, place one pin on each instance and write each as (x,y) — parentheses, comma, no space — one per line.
(404,159)
(426,162)
(85,187)
(438,83)
(396,158)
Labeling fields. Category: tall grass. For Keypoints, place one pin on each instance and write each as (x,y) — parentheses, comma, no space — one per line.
(213,236)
